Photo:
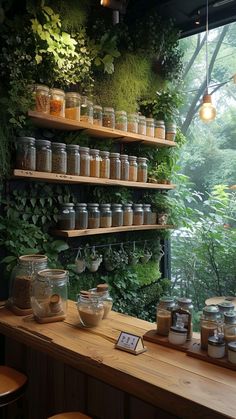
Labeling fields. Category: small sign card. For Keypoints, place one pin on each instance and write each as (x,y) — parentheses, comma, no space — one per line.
(130,343)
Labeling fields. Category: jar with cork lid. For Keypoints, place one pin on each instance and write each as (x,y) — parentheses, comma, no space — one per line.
(102,291)
(163,315)
(90,308)
(210,324)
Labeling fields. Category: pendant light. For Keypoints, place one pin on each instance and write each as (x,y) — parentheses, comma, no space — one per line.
(207,111)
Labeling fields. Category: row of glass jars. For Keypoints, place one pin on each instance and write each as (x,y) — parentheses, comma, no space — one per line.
(73,106)
(94,305)
(85,216)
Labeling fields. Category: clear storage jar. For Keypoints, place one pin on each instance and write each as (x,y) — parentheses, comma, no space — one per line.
(150,130)
(216,347)
(147,214)
(225,307)
(105,164)
(102,291)
(49,295)
(142,169)
(230,326)
(94,163)
(138,215)
(106,215)
(160,130)
(72,106)
(184,311)
(25,153)
(43,156)
(59,158)
(133,169)
(81,216)
(86,110)
(90,308)
(84,161)
(121,120)
(108,119)
(97,115)
(128,215)
(210,323)
(57,102)
(93,216)
(42,98)
(73,159)
(117,215)
(170,131)
(115,166)
(142,124)
(124,167)
(132,123)
(66,217)
(163,315)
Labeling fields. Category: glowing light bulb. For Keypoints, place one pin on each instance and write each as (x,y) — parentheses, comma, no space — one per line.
(207,111)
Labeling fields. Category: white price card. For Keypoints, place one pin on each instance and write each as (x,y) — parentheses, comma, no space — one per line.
(130,343)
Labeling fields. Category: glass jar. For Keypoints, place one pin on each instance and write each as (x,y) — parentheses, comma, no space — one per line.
(128,215)
(117,215)
(72,109)
(84,161)
(147,214)
(97,115)
(150,130)
(115,166)
(59,158)
(210,322)
(183,312)
(160,130)
(94,163)
(170,131)
(142,169)
(21,279)
(142,125)
(90,308)
(121,120)
(132,125)
(102,291)
(124,167)
(163,315)
(177,335)
(42,98)
(86,110)
(105,164)
(66,217)
(57,102)
(73,159)
(230,326)
(216,347)
(133,169)
(225,307)
(93,216)
(43,156)
(25,153)
(232,352)
(108,119)
(106,215)
(138,215)
(81,216)
(49,295)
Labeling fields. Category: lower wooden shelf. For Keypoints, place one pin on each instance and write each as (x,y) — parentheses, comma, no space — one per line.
(94,231)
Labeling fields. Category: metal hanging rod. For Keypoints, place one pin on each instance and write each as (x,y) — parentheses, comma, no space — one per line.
(111,244)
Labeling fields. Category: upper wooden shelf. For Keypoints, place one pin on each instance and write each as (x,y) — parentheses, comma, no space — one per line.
(49,121)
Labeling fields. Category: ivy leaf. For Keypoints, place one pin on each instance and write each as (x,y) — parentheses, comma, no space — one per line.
(38,58)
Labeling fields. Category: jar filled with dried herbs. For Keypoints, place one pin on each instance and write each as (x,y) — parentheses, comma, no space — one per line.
(142,169)
(108,119)
(104,164)
(93,216)
(117,215)
(132,122)
(106,215)
(128,215)
(138,214)
(121,120)
(25,153)
(81,216)
(142,124)
(115,166)
(94,163)
(43,156)
(133,169)
(59,158)
(160,130)
(66,217)
(124,167)
(150,130)
(73,159)
(84,161)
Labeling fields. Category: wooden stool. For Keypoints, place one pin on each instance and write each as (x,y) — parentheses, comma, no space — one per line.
(12,385)
(70,415)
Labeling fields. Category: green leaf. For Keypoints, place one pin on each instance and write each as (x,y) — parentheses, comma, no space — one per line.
(8,259)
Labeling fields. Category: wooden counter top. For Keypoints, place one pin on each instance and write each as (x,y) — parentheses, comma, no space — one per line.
(163,377)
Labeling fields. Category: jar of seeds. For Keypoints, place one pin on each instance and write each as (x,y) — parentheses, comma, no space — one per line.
(115,166)
(128,215)
(66,217)
(124,167)
(132,123)
(84,161)
(121,120)
(25,153)
(133,169)
(59,158)
(104,164)
(142,169)
(93,216)
(73,159)
(117,215)
(147,214)
(43,156)
(142,125)
(81,216)
(106,215)
(94,163)
(138,214)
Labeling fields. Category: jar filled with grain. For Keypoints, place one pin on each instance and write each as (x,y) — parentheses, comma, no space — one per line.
(147,214)
(133,169)
(25,153)
(142,169)
(84,161)
(86,110)
(210,323)
(72,106)
(93,216)
(59,158)
(150,127)
(43,156)
(73,159)
(106,215)
(142,124)
(102,291)
(108,119)
(104,164)
(163,315)
(90,308)
(115,166)
(42,98)
(97,115)
(160,130)
(94,163)
(170,131)
(132,123)
(117,215)
(66,217)
(124,167)
(121,120)
(57,102)
(128,215)
(81,216)
(138,215)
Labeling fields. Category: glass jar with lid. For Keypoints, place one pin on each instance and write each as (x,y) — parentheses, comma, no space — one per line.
(160,130)
(72,106)
(97,115)
(73,159)
(49,295)
(142,169)
(147,214)
(132,125)
(150,130)
(124,167)
(102,291)
(25,153)
(183,311)
(225,307)
(230,326)
(121,120)
(210,324)
(163,315)
(90,308)
(142,124)
(115,166)
(21,280)
(108,119)
(216,347)
(66,217)
(81,216)
(128,215)
(138,215)
(106,215)
(170,131)
(104,164)
(84,161)
(57,102)
(117,215)
(43,156)
(93,216)
(133,169)
(94,163)
(42,98)
(59,158)
(86,110)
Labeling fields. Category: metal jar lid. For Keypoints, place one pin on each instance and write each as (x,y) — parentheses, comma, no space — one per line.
(230,317)
(211,312)
(43,143)
(226,306)
(232,346)
(166,303)
(180,330)
(72,147)
(215,341)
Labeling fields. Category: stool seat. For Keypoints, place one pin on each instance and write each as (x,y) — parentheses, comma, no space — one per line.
(70,415)
(12,385)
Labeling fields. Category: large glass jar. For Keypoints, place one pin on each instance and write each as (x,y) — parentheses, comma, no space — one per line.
(124,167)
(225,307)
(97,115)
(59,158)
(102,291)
(133,169)
(150,127)
(49,295)
(170,131)
(72,109)
(115,166)
(160,130)
(90,308)
(93,216)
(73,159)
(105,164)
(163,315)
(108,119)
(84,161)
(81,216)
(117,215)
(147,214)
(94,163)
(21,279)
(128,215)
(142,169)
(132,125)
(142,124)
(66,217)
(183,312)
(25,153)
(106,215)
(42,99)
(43,156)
(57,102)
(138,215)
(121,120)
(86,110)
(230,326)
(210,323)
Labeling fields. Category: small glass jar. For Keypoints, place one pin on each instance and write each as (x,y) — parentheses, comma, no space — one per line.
(72,108)
(86,110)
(163,315)
(115,166)
(225,307)
(150,130)
(73,159)
(121,120)
(142,124)
(105,164)
(59,158)
(90,308)
(142,169)
(66,217)
(117,215)
(25,153)
(177,335)
(106,216)
(128,215)
(230,326)
(160,130)
(132,125)
(210,322)
(170,131)
(84,161)
(57,102)
(147,214)
(43,156)
(102,291)
(183,312)
(108,119)
(133,169)
(81,216)
(216,347)
(232,352)
(42,98)
(97,115)
(93,216)
(94,163)
(138,215)
(49,295)
(124,167)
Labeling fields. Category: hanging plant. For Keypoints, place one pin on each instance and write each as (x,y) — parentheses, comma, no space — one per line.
(92,259)
(80,263)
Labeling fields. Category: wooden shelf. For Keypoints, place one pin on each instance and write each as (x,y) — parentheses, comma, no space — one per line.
(54,177)
(49,121)
(95,231)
